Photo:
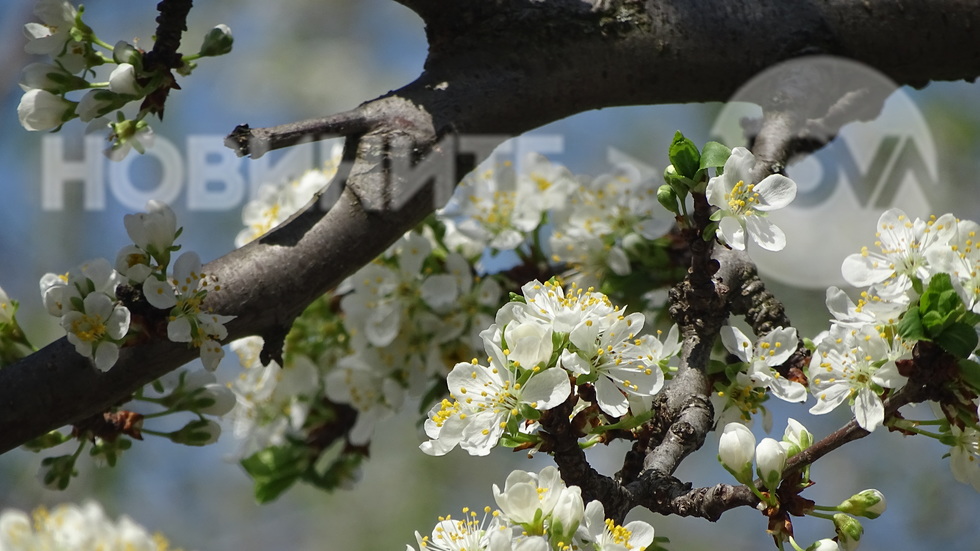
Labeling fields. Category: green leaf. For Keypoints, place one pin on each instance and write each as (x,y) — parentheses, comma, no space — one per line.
(590,377)
(514,297)
(716,366)
(714,155)
(627,422)
(684,156)
(970,372)
(529,412)
(959,339)
(910,326)
(679,183)
(274,470)
(710,231)
(934,323)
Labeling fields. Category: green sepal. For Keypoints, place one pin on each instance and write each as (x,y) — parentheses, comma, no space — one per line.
(515,297)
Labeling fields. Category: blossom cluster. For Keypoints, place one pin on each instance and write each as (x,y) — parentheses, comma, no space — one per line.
(542,344)
(96,319)
(598,226)
(69,526)
(538,512)
(916,260)
(390,330)
(387,332)
(75,53)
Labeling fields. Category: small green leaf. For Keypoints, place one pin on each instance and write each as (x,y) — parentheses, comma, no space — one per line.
(970,371)
(710,231)
(587,378)
(959,339)
(275,469)
(529,412)
(910,326)
(934,322)
(684,156)
(714,155)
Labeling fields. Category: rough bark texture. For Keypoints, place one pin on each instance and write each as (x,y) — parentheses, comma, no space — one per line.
(501,67)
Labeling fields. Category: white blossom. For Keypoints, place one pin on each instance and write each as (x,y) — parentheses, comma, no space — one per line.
(743,206)
(904,248)
(854,365)
(70,526)
(769,352)
(602,534)
(96,330)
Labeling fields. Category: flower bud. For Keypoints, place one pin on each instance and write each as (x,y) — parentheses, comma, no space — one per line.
(668,198)
(42,110)
(218,41)
(735,449)
(868,503)
(199,432)
(122,80)
(849,531)
(98,102)
(797,437)
(824,545)
(770,456)
(568,513)
(124,52)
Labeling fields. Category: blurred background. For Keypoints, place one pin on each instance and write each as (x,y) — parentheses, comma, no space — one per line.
(298,59)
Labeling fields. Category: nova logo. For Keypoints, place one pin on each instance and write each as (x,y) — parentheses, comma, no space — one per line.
(843,187)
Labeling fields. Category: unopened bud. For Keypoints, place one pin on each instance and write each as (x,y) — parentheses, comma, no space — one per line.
(199,432)
(849,531)
(868,503)
(668,198)
(218,41)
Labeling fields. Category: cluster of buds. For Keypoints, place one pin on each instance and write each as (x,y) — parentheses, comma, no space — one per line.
(75,53)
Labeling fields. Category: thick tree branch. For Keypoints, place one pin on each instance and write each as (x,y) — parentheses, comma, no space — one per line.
(502,67)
